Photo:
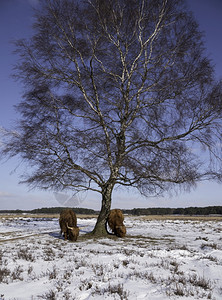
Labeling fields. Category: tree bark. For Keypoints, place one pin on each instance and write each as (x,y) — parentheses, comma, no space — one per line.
(100,227)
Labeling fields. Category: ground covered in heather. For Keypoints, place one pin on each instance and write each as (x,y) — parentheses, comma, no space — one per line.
(177,258)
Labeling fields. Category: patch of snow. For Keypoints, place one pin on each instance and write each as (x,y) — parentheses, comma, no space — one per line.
(156,260)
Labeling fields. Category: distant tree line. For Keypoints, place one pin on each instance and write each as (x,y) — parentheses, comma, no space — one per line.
(209,210)
(52,210)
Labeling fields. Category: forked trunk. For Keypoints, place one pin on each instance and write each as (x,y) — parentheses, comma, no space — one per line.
(100,227)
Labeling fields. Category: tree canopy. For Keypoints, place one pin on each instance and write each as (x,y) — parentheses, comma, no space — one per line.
(117,92)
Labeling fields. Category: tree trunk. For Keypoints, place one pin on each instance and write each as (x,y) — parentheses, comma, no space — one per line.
(100,227)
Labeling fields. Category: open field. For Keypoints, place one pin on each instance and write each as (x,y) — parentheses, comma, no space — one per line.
(49,216)
(182,217)
(148,217)
(162,257)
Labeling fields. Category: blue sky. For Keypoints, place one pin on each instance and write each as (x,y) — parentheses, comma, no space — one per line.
(15,22)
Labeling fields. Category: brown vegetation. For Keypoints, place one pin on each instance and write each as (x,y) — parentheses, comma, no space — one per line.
(179,217)
(148,217)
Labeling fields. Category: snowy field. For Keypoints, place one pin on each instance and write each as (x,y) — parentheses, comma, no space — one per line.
(158,259)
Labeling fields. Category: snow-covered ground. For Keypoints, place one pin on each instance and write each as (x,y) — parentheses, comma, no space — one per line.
(158,259)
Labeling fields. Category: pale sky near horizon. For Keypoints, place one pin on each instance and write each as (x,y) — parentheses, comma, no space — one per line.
(15,22)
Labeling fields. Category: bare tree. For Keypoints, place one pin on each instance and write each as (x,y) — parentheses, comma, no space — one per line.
(117,92)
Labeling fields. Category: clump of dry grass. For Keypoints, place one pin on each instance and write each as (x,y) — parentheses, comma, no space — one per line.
(25,254)
(112,290)
(4,273)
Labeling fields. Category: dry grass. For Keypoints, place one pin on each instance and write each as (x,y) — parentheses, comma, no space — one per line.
(179,217)
(145,218)
(27,215)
